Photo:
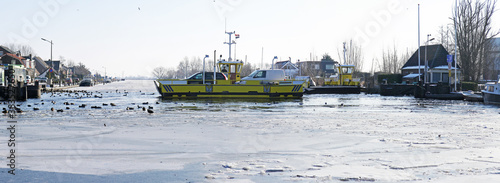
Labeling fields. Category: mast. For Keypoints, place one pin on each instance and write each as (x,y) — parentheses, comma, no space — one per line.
(344,54)
(456,43)
(230,43)
(418,42)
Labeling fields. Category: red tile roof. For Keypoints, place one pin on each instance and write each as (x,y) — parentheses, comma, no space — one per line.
(16,57)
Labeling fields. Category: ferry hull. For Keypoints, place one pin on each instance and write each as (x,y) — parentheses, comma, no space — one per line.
(333,90)
(229,91)
(491,98)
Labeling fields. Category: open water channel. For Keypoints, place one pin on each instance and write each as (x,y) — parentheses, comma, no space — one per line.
(319,138)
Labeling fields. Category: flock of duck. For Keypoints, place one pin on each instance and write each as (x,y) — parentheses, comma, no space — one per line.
(79,94)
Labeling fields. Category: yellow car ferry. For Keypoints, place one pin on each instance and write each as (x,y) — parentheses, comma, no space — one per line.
(254,86)
(227,83)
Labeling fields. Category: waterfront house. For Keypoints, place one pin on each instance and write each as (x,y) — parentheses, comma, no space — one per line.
(4,50)
(9,58)
(437,66)
(291,70)
(40,66)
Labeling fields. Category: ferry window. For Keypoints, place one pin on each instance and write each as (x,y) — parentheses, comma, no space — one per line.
(198,76)
(224,68)
(233,69)
(220,76)
(347,70)
(260,74)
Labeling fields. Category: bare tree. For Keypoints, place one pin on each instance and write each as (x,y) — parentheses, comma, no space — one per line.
(473,24)
(71,63)
(25,50)
(160,72)
(81,71)
(392,61)
(171,73)
(62,60)
(182,68)
(445,38)
(247,69)
(354,55)
(195,65)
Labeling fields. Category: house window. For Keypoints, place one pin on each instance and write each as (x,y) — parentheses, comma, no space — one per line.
(330,66)
(446,79)
(316,66)
(436,77)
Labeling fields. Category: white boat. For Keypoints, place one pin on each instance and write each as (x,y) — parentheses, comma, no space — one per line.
(491,93)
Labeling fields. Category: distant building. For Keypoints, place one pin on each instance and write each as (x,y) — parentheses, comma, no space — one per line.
(41,68)
(4,50)
(492,70)
(290,69)
(323,68)
(9,58)
(437,66)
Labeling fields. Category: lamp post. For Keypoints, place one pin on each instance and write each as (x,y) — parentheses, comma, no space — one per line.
(206,56)
(51,43)
(275,58)
(104,81)
(51,62)
(426,61)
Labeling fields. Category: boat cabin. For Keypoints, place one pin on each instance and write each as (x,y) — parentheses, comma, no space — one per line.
(343,76)
(231,69)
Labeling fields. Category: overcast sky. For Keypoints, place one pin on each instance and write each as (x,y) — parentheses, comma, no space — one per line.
(132,37)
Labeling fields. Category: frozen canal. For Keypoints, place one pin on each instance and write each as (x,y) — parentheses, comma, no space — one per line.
(320,138)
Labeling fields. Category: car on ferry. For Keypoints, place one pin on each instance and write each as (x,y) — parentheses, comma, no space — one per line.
(197,78)
(265,75)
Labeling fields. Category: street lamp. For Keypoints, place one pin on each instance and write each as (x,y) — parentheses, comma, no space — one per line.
(275,58)
(206,56)
(104,82)
(51,43)
(51,62)
(426,61)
